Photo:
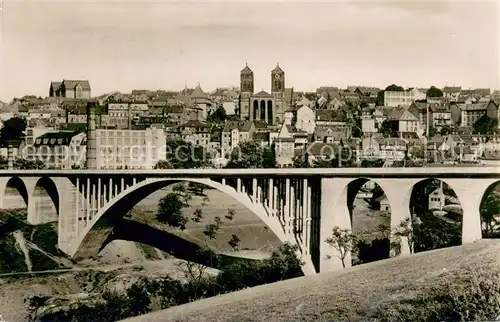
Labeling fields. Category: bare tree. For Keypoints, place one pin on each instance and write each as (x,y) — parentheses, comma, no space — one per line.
(343,240)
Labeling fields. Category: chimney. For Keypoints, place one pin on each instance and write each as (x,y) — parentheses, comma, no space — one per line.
(10,157)
(91,137)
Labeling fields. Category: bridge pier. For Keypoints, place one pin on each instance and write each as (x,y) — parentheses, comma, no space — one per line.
(68,215)
(398,192)
(334,212)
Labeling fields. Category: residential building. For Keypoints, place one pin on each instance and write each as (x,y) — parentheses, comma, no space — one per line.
(329,135)
(305,119)
(202,101)
(405,120)
(59,150)
(471,113)
(402,98)
(76,89)
(437,199)
(234,133)
(321,151)
(76,112)
(368,124)
(492,143)
(440,116)
(285,145)
(195,132)
(451,93)
(392,149)
(34,132)
(130,149)
(370,92)
(491,158)
(121,113)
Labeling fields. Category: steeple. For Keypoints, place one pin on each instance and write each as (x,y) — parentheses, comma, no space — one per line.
(246,80)
(277,69)
(246,70)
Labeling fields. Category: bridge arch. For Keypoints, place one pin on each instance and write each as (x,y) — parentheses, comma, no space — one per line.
(433,200)
(93,237)
(374,229)
(15,193)
(44,201)
(489,209)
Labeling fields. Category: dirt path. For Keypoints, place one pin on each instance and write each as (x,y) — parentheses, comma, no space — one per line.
(18,235)
(54,258)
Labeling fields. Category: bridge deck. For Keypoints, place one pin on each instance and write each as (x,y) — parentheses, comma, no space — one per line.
(421,172)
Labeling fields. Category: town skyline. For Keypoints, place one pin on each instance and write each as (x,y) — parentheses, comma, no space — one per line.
(125,46)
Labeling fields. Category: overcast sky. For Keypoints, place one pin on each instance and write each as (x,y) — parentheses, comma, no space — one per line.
(124,45)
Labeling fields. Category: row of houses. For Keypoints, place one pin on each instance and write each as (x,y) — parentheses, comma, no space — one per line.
(415,117)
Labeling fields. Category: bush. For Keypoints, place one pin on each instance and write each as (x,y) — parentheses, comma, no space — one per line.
(283,264)
(472,296)
(45,237)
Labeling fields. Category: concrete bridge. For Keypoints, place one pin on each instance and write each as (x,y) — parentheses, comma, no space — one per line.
(300,206)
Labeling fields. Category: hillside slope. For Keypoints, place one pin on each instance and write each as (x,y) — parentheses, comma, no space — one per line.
(350,294)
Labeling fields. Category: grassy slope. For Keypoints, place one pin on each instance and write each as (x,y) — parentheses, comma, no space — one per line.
(346,295)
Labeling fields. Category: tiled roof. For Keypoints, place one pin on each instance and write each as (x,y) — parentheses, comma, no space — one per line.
(198,93)
(463,150)
(68,83)
(261,137)
(392,141)
(493,155)
(246,70)
(408,135)
(260,124)
(481,91)
(368,90)
(174,109)
(304,101)
(323,149)
(473,106)
(437,139)
(55,85)
(327,89)
(242,126)
(278,70)
(325,115)
(53,138)
(324,131)
(194,123)
(263,94)
(439,108)
(452,89)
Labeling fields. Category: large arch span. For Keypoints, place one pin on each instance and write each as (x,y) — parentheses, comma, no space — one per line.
(92,238)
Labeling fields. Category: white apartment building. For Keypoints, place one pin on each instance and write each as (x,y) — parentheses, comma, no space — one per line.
(59,150)
(403,98)
(130,149)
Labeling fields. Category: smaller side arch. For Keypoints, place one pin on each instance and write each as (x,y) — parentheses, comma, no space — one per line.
(44,202)
(15,186)
(489,210)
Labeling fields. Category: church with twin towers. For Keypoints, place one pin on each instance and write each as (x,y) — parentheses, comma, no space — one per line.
(262,106)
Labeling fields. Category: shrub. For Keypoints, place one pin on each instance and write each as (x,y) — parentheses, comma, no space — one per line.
(471,296)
